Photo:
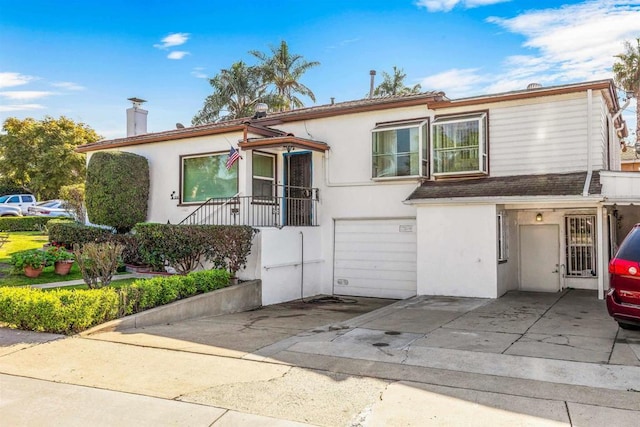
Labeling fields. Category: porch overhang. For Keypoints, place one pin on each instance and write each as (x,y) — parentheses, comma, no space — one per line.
(286,142)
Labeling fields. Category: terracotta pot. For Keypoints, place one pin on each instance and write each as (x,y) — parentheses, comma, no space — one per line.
(62,268)
(32,272)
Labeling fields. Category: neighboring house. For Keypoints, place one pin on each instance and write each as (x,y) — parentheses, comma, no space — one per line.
(405,195)
(630,159)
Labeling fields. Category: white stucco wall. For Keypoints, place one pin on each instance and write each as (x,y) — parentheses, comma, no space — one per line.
(457,250)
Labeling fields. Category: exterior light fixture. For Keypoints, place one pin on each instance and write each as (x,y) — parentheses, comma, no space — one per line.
(539,217)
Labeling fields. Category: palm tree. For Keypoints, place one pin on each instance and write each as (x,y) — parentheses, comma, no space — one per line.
(627,75)
(283,70)
(236,91)
(394,85)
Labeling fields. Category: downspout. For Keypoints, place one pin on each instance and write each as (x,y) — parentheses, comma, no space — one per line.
(587,182)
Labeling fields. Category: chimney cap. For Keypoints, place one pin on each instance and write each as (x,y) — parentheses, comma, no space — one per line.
(138,100)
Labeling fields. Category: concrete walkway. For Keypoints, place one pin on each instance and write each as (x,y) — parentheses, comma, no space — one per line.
(524,359)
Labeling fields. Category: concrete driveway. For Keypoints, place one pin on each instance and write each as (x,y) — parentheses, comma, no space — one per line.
(523,359)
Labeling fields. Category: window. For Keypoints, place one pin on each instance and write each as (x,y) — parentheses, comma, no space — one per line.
(502,237)
(400,150)
(206,176)
(264,173)
(581,248)
(27,199)
(459,145)
(14,199)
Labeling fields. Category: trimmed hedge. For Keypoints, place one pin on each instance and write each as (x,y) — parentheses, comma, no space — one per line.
(67,311)
(145,294)
(68,233)
(25,223)
(117,189)
(59,311)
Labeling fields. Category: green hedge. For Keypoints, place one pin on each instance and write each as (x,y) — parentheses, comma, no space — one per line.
(67,311)
(60,311)
(25,223)
(145,294)
(68,233)
(184,246)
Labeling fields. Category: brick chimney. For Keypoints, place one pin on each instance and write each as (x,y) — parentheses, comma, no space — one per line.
(136,118)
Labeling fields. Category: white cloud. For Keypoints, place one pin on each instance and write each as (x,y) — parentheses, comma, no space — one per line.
(177,54)
(199,73)
(9,79)
(448,5)
(575,42)
(455,82)
(20,107)
(68,86)
(571,43)
(24,95)
(175,39)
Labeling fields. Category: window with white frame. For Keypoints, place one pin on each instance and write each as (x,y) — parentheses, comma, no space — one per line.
(400,150)
(264,175)
(206,176)
(459,145)
(502,237)
(581,245)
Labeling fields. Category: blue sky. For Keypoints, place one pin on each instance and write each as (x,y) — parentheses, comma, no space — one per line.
(83,59)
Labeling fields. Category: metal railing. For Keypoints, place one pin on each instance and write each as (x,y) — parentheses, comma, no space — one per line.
(291,206)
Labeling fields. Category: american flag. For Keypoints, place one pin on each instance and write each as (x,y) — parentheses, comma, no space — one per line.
(233,156)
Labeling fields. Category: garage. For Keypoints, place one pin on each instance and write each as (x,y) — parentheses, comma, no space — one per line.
(375,258)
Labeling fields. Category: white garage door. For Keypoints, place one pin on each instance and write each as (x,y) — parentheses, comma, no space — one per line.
(375,258)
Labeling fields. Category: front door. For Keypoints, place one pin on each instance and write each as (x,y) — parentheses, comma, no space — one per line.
(297,191)
(539,258)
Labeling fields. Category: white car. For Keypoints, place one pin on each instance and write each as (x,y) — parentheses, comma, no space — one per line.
(6,210)
(22,201)
(52,208)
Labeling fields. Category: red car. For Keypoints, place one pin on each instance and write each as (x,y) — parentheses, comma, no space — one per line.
(623,298)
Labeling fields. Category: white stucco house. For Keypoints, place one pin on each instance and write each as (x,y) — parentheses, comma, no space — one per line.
(404,195)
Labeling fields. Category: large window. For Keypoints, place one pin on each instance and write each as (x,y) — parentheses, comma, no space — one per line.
(264,175)
(206,176)
(400,150)
(459,145)
(581,246)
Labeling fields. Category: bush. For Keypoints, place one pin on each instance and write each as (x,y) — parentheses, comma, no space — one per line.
(24,223)
(34,258)
(181,246)
(98,262)
(117,189)
(231,247)
(145,294)
(60,311)
(69,233)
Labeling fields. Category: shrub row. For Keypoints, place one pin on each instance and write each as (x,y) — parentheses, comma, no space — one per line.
(68,233)
(25,223)
(61,311)
(145,294)
(183,247)
(65,311)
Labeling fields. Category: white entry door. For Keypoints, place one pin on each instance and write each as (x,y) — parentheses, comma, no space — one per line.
(375,258)
(539,257)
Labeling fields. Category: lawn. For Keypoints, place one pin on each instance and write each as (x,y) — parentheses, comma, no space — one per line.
(23,240)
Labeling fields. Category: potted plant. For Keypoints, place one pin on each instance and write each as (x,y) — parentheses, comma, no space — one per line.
(31,262)
(61,258)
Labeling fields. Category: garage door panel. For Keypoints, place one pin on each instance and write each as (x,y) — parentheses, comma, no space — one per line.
(375,258)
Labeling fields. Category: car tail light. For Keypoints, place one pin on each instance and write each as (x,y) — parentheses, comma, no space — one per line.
(624,267)
(43,212)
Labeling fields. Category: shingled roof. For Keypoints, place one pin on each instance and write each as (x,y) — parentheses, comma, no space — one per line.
(565,184)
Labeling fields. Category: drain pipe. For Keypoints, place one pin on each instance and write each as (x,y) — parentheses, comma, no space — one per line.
(587,181)
(302,266)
